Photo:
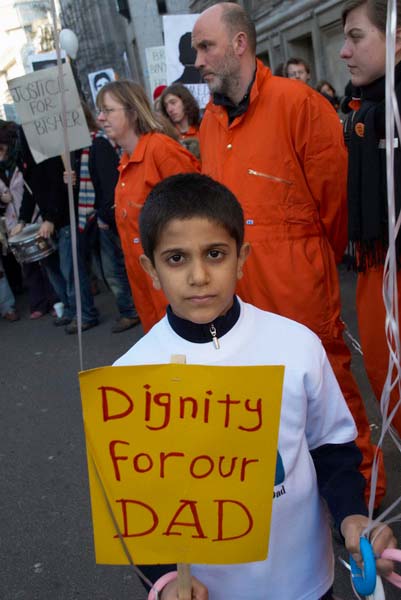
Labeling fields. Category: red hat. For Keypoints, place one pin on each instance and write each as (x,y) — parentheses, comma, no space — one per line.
(158,91)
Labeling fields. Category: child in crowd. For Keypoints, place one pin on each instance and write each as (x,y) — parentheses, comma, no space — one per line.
(192,233)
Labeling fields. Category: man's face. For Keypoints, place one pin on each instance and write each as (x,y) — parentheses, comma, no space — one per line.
(196,264)
(298,72)
(364,49)
(215,55)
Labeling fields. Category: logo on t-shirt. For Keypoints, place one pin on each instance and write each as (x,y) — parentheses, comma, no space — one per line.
(280,473)
(279,478)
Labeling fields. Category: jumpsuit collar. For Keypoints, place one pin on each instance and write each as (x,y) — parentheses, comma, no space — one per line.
(235,110)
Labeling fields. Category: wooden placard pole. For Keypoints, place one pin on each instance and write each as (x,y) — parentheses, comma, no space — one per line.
(183,569)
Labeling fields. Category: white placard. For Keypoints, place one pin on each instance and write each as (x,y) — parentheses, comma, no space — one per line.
(37,100)
(180,56)
(156,63)
(45,60)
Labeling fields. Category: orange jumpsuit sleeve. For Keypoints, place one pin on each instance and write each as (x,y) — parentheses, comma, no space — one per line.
(320,145)
(176,159)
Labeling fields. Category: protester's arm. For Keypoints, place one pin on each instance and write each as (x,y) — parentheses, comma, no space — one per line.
(321,150)
(342,486)
(103,163)
(339,480)
(27,207)
(175,159)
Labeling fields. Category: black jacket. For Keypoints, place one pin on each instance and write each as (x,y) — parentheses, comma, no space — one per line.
(103,163)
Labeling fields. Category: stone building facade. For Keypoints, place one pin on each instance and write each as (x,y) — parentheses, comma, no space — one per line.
(308,29)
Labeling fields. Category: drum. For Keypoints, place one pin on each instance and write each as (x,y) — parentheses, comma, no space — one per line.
(28,246)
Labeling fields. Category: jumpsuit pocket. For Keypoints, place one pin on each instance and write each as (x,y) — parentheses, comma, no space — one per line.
(267,176)
(266,198)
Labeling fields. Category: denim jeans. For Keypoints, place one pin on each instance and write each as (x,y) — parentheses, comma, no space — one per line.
(62,278)
(7,300)
(114,271)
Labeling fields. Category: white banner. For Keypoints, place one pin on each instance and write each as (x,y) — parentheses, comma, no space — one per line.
(37,100)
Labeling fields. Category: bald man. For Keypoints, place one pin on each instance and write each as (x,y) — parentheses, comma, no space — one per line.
(279,147)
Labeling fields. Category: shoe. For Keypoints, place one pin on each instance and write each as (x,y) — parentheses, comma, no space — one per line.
(12,315)
(124,323)
(61,321)
(36,314)
(73,326)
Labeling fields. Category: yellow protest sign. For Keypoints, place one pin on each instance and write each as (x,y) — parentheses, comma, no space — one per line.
(187,457)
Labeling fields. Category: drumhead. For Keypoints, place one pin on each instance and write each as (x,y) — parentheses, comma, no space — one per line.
(29,232)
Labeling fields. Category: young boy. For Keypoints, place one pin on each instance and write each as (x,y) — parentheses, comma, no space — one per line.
(192,232)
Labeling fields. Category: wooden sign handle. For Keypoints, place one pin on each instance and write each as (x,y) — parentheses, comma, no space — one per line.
(184,581)
(183,569)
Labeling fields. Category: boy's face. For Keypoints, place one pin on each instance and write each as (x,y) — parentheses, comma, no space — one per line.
(197,267)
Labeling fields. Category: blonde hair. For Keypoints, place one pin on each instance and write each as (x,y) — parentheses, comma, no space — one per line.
(133,98)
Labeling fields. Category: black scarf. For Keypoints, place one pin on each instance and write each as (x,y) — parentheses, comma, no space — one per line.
(367,184)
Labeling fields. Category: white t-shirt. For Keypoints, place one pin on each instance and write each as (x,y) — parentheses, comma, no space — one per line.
(300,563)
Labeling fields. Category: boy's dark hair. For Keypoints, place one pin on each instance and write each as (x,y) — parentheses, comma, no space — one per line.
(187,196)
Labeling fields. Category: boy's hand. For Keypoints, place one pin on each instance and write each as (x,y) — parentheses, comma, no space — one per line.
(170,591)
(351,529)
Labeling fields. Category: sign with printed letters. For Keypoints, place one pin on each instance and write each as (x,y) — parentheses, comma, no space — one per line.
(37,100)
(185,458)
(156,62)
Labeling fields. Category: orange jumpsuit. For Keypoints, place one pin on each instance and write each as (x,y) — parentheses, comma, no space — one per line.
(191,132)
(285,160)
(155,157)
(371,321)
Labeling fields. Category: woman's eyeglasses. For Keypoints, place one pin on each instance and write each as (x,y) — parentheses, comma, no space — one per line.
(107,111)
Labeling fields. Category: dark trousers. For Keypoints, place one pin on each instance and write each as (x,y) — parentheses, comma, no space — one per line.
(40,292)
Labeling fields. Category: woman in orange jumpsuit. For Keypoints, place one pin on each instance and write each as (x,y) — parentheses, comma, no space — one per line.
(149,157)
(365,56)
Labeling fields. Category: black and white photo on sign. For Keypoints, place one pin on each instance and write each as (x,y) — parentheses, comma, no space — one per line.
(180,56)
(98,79)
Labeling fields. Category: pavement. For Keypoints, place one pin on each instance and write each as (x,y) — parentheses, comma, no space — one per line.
(46,545)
